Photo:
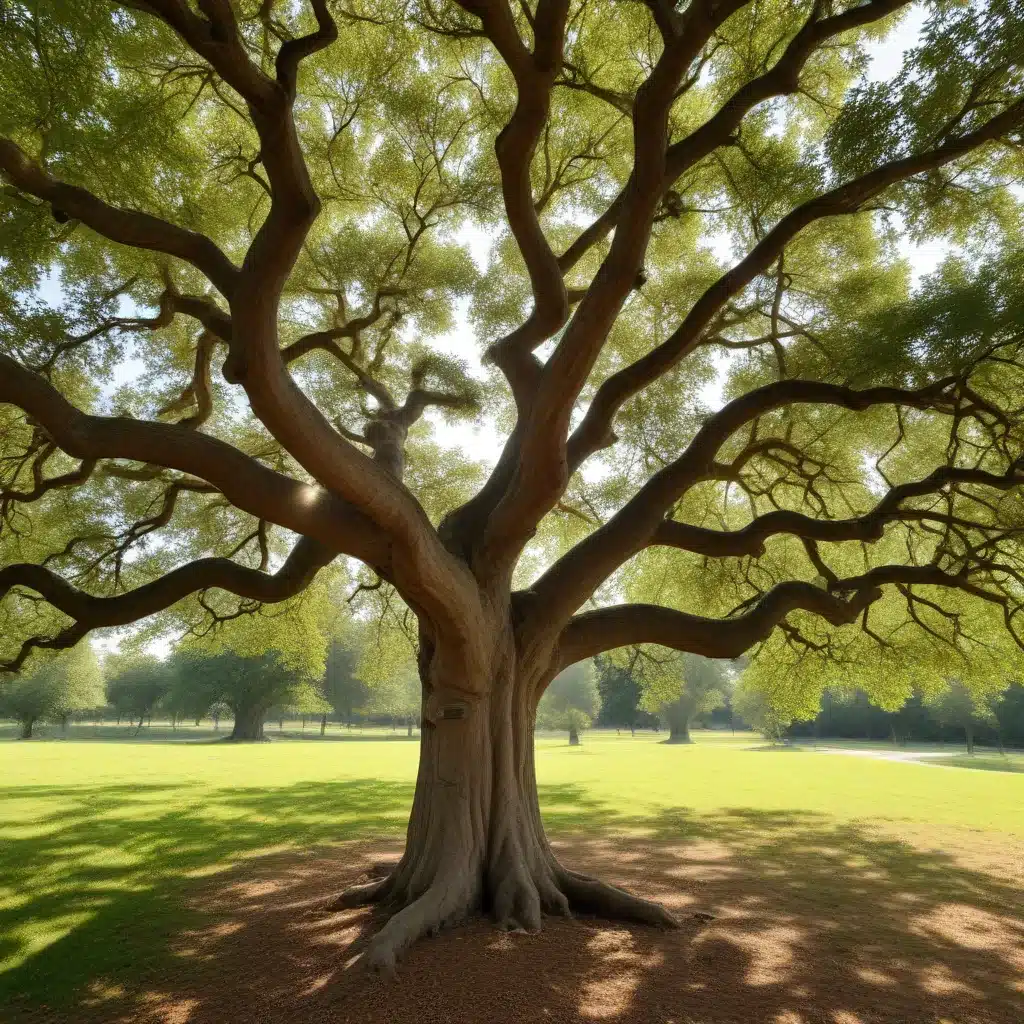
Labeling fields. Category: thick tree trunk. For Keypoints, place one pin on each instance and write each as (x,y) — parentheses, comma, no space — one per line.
(679,732)
(475,840)
(409,733)
(323,725)
(26,728)
(248,725)
(574,736)
(970,739)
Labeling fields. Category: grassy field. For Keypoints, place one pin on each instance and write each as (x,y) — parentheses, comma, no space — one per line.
(99,840)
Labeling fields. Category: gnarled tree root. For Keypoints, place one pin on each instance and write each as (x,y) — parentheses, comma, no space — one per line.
(360,895)
(516,903)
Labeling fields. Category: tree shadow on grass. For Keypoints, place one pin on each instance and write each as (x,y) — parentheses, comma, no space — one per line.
(813,920)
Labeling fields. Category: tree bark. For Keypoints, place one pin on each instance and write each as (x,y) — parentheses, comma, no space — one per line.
(323,725)
(574,736)
(26,728)
(970,738)
(248,727)
(679,733)
(475,842)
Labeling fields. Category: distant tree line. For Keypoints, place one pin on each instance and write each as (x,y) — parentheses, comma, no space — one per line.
(363,682)
(952,716)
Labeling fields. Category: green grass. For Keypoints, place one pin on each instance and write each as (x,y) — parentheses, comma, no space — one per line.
(99,842)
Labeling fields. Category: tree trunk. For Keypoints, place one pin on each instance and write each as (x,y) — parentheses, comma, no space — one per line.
(26,728)
(679,733)
(248,725)
(574,736)
(970,738)
(409,734)
(323,725)
(475,841)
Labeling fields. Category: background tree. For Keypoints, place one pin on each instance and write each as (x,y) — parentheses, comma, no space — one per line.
(279,192)
(136,684)
(571,702)
(757,709)
(956,705)
(620,696)
(342,687)
(57,687)
(679,688)
(249,685)
(387,669)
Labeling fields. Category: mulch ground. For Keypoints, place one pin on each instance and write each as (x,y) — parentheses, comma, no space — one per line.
(841,929)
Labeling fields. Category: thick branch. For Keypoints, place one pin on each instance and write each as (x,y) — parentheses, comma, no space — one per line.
(296,50)
(575,577)
(128,227)
(540,476)
(749,541)
(90,612)
(624,625)
(245,482)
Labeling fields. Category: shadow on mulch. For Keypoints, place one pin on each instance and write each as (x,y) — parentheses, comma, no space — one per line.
(814,922)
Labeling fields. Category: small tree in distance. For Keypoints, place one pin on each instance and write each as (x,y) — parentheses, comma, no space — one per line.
(60,685)
(342,687)
(755,707)
(136,685)
(571,702)
(680,688)
(249,685)
(956,705)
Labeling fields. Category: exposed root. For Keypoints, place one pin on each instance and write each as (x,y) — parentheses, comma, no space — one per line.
(361,895)
(516,903)
(592,896)
(445,903)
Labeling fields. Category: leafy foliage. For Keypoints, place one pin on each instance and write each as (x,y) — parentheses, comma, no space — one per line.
(59,686)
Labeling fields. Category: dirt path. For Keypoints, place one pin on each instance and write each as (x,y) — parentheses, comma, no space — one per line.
(812,923)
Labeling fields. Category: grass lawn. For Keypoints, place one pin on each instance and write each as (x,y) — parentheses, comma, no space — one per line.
(100,842)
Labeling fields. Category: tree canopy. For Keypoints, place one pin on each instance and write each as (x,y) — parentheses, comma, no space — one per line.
(260,218)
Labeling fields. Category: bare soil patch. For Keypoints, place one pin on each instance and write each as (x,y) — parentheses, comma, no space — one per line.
(826,924)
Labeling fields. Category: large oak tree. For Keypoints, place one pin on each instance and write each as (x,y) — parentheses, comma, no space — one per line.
(269,206)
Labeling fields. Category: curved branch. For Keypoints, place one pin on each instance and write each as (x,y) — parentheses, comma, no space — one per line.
(782,79)
(575,576)
(624,625)
(749,541)
(540,474)
(296,50)
(128,227)
(307,558)
(244,481)
(594,430)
